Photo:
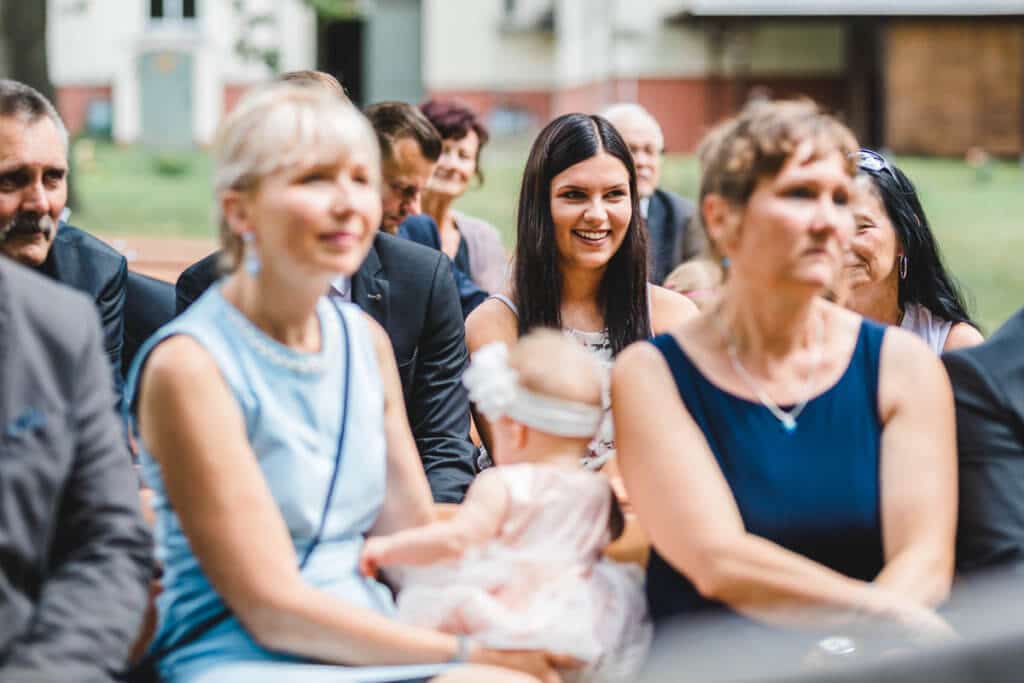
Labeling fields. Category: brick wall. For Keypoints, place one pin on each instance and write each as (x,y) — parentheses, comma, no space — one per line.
(73,103)
(536,102)
(685,107)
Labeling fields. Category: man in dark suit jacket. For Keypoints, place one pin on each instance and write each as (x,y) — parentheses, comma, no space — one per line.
(33,193)
(408,288)
(76,555)
(671,237)
(423,230)
(988,384)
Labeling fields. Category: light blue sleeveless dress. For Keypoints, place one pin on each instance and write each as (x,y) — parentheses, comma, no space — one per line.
(291,402)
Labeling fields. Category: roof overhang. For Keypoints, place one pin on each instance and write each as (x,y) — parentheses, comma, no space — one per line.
(822,9)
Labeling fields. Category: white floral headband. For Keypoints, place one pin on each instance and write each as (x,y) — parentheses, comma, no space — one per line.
(494,388)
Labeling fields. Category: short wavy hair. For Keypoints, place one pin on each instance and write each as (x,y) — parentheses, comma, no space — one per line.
(454,121)
(756,143)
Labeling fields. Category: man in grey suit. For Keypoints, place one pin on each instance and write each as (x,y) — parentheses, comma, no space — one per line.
(672,236)
(75,555)
(988,385)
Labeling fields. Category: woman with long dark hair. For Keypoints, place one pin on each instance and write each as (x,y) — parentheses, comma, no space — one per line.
(894,273)
(581,254)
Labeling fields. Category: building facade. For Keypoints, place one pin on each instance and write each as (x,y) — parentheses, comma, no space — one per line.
(887,66)
(164,71)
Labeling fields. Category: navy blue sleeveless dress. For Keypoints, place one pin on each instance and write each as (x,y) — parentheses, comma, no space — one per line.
(814,491)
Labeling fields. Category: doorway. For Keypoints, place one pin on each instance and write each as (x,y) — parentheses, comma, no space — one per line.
(340,49)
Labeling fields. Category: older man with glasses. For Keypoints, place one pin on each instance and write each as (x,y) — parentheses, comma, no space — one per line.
(673,238)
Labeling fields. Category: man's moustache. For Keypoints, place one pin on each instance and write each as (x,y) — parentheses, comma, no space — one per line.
(26,225)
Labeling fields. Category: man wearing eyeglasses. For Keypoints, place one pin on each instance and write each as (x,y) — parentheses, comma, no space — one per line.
(672,239)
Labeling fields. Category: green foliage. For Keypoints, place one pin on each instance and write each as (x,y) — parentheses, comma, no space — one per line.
(336,9)
(979,225)
(170,164)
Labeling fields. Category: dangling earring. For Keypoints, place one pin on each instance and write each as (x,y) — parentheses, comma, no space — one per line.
(250,259)
(726,263)
(903,266)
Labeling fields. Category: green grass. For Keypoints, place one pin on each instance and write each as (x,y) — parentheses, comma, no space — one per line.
(122,192)
(980,225)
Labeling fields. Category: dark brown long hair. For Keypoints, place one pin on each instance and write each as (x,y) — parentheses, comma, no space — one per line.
(565,142)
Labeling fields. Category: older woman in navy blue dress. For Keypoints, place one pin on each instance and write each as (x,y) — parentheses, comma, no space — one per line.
(791,461)
(266,477)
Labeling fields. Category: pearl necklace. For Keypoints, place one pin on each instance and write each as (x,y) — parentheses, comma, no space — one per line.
(788,419)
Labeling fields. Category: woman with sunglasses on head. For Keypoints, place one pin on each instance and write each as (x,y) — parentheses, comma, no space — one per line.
(894,273)
(792,463)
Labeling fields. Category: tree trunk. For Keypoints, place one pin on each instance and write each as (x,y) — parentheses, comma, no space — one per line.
(23,48)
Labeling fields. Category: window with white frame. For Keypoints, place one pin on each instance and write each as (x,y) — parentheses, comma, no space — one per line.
(172,11)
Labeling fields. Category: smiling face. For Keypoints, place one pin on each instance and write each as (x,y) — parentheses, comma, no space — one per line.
(874,249)
(33,187)
(314,220)
(796,226)
(456,166)
(591,209)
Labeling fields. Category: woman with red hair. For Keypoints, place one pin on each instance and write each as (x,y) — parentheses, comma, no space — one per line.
(473,244)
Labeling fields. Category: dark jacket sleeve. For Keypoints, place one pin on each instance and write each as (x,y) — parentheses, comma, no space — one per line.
(690,240)
(91,605)
(990,445)
(423,230)
(438,404)
(110,304)
(186,290)
(195,280)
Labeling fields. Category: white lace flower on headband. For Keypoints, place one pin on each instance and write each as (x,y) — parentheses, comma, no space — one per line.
(494,388)
(491,382)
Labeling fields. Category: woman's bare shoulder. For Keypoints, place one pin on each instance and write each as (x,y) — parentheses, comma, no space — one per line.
(491,321)
(180,361)
(669,309)
(962,336)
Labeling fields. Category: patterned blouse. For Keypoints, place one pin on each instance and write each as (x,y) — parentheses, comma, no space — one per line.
(602,448)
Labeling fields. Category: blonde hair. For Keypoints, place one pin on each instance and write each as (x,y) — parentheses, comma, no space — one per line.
(758,141)
(551,364)
(315,79)
(278,126)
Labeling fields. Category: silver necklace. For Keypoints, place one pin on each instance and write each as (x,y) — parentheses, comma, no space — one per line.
(787,418)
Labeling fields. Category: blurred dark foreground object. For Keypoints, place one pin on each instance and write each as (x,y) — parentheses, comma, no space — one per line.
(985,611)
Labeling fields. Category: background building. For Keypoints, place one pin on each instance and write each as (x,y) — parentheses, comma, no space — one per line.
(164,71)
(888,66)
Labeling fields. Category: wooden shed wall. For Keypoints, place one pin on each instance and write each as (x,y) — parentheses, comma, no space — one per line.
(953,85)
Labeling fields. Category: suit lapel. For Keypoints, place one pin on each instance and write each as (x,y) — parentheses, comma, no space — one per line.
(656,215)
(657,229)
(370,288)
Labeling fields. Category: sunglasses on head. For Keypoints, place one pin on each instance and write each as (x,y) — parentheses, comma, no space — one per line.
(872,161)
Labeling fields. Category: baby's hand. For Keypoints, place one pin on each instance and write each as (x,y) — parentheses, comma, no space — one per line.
(369,561)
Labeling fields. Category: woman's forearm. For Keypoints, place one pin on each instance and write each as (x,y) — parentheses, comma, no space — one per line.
(767,582)
(919,574)
(309,623)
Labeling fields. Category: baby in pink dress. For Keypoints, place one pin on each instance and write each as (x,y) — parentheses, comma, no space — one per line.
(520,566)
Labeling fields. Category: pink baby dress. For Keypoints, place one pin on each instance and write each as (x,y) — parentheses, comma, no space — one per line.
(543,582)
